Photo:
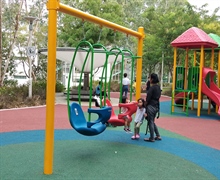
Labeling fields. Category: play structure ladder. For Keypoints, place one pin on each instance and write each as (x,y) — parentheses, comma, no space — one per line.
(181,96)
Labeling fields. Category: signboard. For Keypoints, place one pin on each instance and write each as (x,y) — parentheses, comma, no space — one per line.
(31,51)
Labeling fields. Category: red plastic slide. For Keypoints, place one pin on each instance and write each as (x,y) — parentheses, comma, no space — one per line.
(212,92)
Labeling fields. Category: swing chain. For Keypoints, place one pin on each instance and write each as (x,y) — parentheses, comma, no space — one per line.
(100,34)
(84,34)
(114,39)
(127,44)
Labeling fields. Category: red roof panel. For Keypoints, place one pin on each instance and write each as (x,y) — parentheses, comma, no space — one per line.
(194,38)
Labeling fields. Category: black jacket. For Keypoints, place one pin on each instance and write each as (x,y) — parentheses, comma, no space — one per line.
(153,96)
(148,85)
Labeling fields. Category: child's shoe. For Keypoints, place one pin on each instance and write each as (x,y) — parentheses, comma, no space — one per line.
(129,131)
(133,137)
(137,136)
(126,130)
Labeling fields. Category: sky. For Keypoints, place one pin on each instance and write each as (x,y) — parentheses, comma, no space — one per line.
(212,4)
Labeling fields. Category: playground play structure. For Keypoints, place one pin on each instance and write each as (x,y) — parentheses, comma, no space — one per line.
(198,79)
(53,7)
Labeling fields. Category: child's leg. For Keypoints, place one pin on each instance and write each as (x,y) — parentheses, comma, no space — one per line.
(135,136)
(126,122)
(135,129)
(138,125)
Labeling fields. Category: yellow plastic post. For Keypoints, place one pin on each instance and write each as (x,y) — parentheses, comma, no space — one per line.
(139,63)
(202,97)
(212,67)
(193,94)
(194,59)
(51,80)
(200,81)
(174,75)
(185,78)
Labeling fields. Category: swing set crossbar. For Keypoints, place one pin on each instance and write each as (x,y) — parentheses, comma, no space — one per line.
(102,22)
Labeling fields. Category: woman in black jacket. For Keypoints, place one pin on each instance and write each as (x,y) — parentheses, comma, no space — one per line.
(153,107)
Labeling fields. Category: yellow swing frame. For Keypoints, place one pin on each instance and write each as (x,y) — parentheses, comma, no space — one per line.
(53,6)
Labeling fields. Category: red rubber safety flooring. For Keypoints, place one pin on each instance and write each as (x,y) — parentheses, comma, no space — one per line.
(201,130)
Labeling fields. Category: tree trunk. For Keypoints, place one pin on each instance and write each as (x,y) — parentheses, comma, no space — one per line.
(169,77)
(1,43)
(12,44)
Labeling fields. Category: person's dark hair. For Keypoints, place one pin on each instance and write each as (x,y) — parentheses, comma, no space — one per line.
(123,100)
(125,75)
(100,82)
(154,78)
(143,102)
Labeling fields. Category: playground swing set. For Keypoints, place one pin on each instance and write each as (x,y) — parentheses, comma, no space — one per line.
(76,116)
(75,112)
(195,80)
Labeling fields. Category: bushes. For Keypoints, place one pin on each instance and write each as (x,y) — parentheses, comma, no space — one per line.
(59,87)
(167,90)
(13,96)
(10,82)
(39,88)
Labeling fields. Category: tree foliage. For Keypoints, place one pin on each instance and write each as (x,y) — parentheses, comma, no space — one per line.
(163,21)
(15,36)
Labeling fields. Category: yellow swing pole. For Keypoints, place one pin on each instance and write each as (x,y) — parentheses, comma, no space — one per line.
(51,80)
(139,63)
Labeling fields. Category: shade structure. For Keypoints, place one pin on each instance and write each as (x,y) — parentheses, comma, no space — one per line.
(194,38)
(66,54)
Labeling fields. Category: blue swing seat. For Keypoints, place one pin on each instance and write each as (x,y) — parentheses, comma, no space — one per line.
(79,123)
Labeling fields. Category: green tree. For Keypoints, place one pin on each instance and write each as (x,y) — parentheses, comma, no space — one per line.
(72,30)
(166,20)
